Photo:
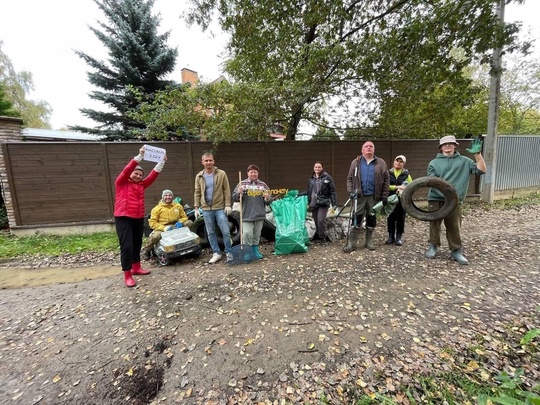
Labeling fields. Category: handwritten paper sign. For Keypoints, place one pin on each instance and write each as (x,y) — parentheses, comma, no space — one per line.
(154,154)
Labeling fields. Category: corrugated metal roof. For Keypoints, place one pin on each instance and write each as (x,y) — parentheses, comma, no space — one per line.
(54,135)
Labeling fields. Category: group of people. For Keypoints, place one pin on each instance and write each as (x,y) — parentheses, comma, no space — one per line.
(212,198)
(369,181)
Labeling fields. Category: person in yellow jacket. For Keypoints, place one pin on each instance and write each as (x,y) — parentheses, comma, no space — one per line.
(165,216)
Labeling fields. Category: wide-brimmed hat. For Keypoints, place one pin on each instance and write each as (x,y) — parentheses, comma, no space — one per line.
(448,139)
(402,158)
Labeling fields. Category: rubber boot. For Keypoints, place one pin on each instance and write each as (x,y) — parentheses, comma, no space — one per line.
(431,251)
(391,240)
(369,238)
(352,240)
(137,270)
(457,255)
(128,280)
(256,252)
(399,242)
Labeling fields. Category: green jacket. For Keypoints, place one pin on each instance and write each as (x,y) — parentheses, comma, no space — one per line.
(456,170)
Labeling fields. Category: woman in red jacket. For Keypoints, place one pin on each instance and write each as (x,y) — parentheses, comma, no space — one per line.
(129,214)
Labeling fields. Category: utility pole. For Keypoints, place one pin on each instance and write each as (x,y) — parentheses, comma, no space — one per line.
(490,143)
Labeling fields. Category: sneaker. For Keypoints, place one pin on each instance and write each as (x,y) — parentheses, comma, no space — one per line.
(230,257)
(216,257)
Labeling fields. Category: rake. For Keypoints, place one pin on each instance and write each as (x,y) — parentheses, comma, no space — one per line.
(241,253)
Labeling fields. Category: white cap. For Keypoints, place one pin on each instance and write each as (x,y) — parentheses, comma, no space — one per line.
(402,158)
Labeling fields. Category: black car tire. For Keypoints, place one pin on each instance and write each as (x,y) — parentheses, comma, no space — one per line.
(449,192)
(162,258)
(268,231)
(199,228)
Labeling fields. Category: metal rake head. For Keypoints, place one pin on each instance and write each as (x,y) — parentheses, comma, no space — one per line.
(242,254)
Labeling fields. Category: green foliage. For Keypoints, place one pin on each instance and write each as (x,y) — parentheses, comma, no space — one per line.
(358,59)
(138,59)
(6,106)
(529,336)
(519,109)
(531,199)
(4,223)
(325,134)
(14,89)
(218,112)
(511,391)
(12,246)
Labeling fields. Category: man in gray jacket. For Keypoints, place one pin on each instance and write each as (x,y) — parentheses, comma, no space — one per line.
(367,184)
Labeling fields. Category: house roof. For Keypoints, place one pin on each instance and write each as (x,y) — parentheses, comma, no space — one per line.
(54,135)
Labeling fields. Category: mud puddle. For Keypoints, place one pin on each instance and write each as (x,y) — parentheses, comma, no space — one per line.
(20,277)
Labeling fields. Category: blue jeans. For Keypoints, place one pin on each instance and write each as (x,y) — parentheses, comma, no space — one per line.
(211,217)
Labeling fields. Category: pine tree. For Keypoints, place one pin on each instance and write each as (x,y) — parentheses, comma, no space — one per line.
(138,61)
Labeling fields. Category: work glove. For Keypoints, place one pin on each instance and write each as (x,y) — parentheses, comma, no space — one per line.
(384,201)
(197,213)
(187,223)
(476,146)
(228,210)
(140,156)
(353,194)
(169,228)
(178,225)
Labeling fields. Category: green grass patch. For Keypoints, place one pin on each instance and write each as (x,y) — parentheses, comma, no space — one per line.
(50,245)
(531,199)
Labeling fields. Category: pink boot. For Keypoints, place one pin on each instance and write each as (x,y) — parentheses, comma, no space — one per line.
(128,280)
(137,270)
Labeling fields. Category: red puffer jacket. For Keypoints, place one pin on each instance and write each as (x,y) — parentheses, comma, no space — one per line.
(129,200)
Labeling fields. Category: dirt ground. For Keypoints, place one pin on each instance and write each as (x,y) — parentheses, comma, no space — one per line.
(293,328)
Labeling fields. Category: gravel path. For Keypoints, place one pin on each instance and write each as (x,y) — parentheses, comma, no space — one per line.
(296,327)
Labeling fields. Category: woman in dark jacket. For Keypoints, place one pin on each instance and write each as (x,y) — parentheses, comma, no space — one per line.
(321,194)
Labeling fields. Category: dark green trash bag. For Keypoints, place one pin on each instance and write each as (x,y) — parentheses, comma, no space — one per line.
(290,216)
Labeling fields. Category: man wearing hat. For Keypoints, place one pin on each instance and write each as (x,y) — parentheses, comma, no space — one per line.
(165,216)
(456,170)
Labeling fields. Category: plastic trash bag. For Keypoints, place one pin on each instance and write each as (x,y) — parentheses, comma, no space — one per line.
(385,209)
(290,216)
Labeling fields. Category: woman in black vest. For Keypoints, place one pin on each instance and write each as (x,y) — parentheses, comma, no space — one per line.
(399,178)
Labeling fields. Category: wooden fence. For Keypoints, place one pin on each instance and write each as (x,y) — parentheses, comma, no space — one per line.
(72,183)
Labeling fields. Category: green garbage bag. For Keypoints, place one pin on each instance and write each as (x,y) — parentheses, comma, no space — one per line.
(290,216)
(386,209)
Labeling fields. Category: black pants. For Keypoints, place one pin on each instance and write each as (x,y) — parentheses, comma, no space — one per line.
(319,217)
(130,233)
(396,220)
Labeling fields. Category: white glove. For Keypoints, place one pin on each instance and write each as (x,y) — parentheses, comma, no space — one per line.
(140,156)
(197,213)
(228,210)
(159,167)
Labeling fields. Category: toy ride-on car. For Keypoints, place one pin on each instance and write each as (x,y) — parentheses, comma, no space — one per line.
(177,243)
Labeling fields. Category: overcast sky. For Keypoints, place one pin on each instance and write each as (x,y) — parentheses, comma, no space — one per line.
(40,35)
